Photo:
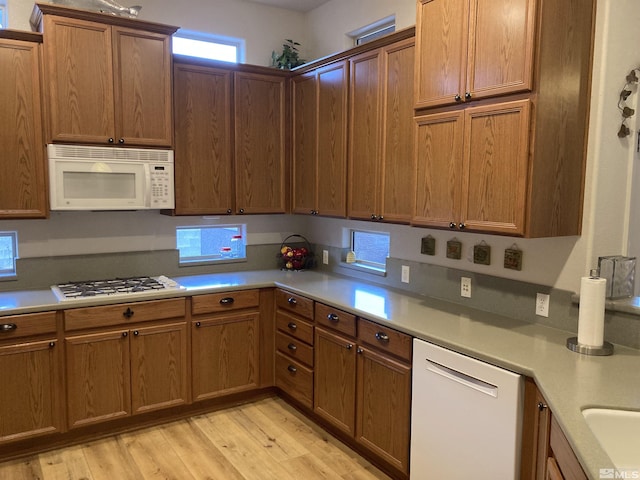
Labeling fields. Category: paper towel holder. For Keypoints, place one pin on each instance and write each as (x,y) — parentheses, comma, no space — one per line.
(604,350)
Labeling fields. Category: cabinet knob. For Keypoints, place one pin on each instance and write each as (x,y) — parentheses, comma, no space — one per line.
(452,224)
(128,313)
(332,317)
(380,218)
(292,301)
(315,212)
(349,346)
(121,141)
(359,350)
(136,333)
(229,211)
(292,325)
(8,327)
(292,369)
(110,140)
(312,212)
(292,347)
(198,324)
(52,344)
(125,334)
(241,211)
(374,217)
(226,301)
(542,406)
(457,98)
(461,226)
(467,95)
(382,337)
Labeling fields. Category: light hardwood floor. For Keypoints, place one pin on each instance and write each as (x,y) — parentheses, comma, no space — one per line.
(264,440)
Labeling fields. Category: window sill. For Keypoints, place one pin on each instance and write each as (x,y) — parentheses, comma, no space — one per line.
(364,268)
(196,263)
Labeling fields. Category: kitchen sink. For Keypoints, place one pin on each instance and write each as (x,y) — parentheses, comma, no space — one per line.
(618,431)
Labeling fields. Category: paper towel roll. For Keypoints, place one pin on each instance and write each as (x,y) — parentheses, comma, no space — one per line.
(591,311)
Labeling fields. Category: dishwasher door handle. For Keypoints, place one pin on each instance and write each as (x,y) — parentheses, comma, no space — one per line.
(462,378)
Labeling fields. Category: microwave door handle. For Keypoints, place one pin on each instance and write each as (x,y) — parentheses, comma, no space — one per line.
(147,186)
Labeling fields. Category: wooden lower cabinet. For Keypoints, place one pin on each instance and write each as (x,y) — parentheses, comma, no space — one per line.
(30,393)
(126,367)
(365,392)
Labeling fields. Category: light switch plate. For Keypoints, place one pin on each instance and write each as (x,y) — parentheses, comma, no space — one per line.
(405,274)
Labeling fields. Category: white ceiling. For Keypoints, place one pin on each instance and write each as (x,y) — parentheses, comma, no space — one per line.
(298,5)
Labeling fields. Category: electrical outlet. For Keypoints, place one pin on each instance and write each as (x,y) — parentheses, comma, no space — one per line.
(325,257)
(542,304)
(465,287)
(405,274)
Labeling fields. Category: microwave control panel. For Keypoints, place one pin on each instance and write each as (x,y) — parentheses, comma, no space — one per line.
(162,195)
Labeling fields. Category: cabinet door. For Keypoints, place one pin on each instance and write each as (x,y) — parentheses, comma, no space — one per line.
(29,397)
(441,51)
(259,143)
(334,387)
(79,73)
(501,40)
(496,155)
(305,142)
(224,355)
(203,154)
(439,150)
(23,192)
(332,140)
(365,143)
(143,92)
(384,407)
(98,385)
(158,367)
(398,169)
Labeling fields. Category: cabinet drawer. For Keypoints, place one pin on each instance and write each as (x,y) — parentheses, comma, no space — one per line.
(16,326)
(385,339)
(295,379)
(222,302)
(294,348)
(294,326)
(123,313)
(337,319)
(295,303)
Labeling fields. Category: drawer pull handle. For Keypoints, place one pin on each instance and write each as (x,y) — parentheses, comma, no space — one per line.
(382,337)
(226,301)
(128,313)
(8,327)
(292,369)
(292,325)
(292,301)
(541,406)
(332,317)
(292,347)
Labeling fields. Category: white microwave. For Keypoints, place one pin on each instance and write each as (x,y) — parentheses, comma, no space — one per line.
(110,178)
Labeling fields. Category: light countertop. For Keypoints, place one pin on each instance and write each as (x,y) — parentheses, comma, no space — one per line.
(569,381)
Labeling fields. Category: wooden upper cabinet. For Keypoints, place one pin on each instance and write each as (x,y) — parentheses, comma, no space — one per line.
(109,78)
(472,168)
(22,167)
(381,165)
(260,153)
(203,155)
(320,140)
(470,49)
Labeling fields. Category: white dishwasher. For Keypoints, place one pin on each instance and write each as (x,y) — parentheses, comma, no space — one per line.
(466,417)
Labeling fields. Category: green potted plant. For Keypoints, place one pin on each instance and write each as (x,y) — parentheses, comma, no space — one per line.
(289,58)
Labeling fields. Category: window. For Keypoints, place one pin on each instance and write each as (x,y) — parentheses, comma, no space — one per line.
(3,16)
(8,253)
(204,244)
(203,45)
(370,32)
(371,248)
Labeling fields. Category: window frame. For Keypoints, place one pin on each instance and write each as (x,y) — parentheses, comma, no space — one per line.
(238,43)
(374,30)
(369,265)
(212,258)
(11,272)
